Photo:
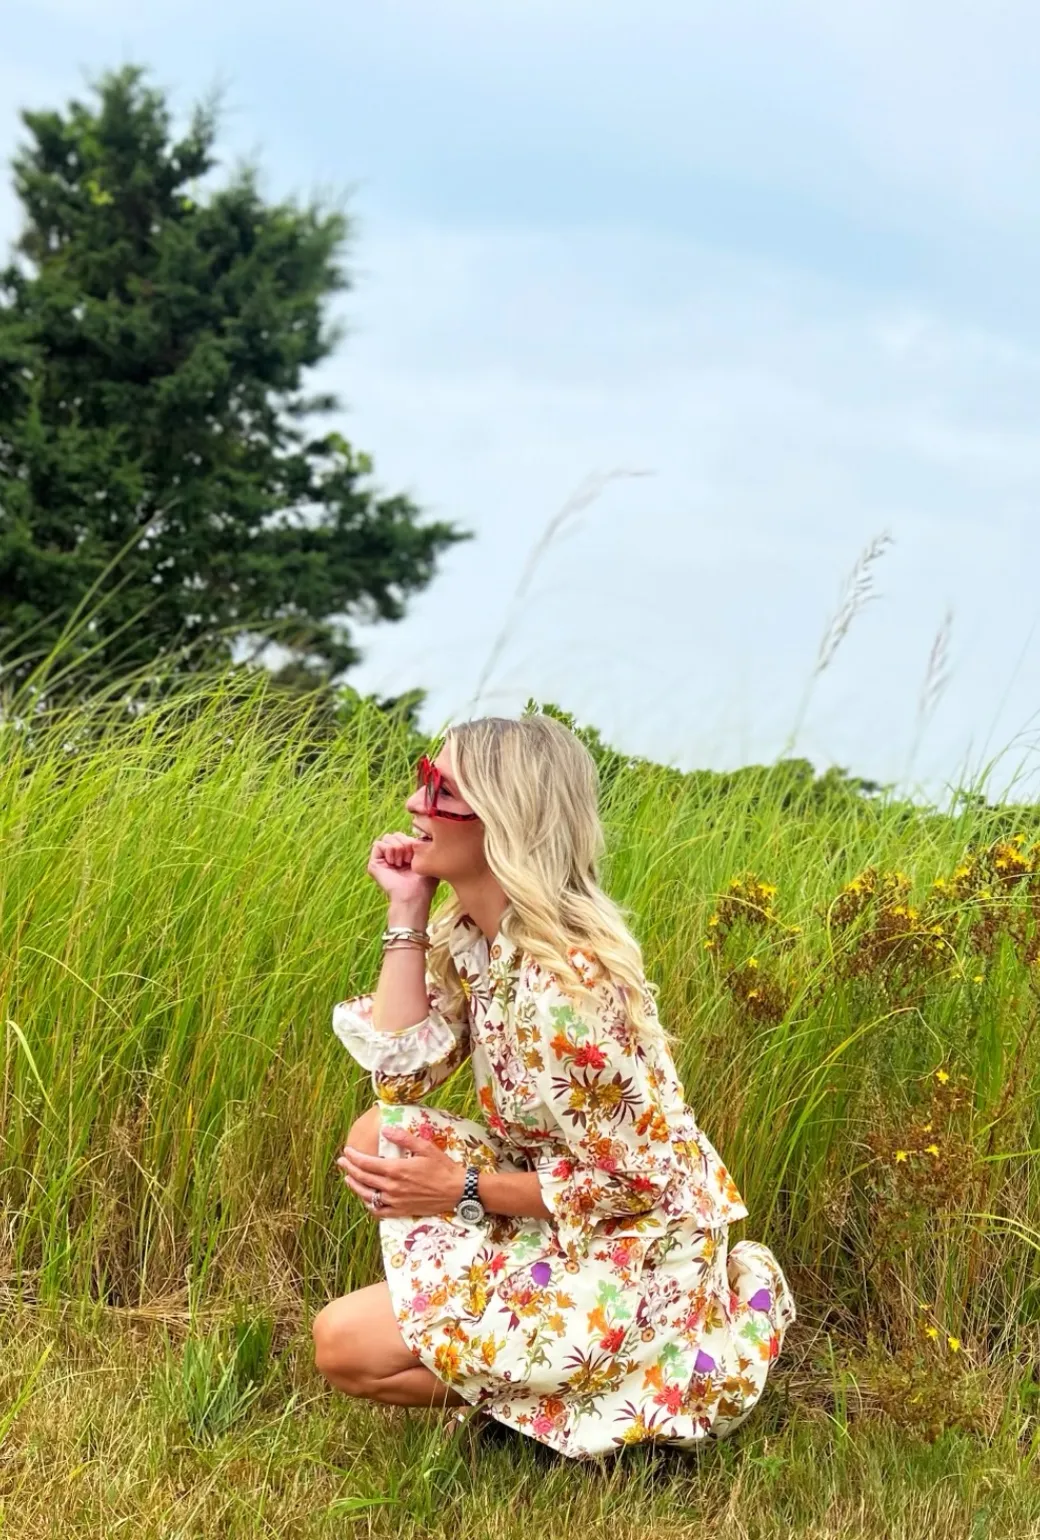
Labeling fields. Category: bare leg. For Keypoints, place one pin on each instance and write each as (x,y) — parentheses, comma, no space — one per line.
(364,1132)
(359,1349)
(358,1345)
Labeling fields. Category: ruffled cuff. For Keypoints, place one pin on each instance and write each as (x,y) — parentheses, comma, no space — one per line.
(391,1053)
(406,1064)
(581,1198)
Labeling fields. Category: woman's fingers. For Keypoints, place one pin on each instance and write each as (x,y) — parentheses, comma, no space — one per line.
(375,1163)
(380,1181)
(388,1209)
(367,1195)
(364,1183)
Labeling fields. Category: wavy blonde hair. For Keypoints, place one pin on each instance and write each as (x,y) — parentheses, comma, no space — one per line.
(535,786)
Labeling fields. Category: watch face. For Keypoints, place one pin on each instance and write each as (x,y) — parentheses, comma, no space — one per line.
(470,1211)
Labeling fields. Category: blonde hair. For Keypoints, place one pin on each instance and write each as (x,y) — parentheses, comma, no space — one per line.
(535,786)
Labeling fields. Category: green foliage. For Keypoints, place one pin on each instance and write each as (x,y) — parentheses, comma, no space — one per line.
(161,488)
(788,784)
(212,1383)
(183,897)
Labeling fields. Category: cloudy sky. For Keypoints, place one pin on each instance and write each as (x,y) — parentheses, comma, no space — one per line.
(779,257)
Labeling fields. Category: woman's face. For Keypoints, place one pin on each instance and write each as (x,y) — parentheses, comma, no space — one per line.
(455,849)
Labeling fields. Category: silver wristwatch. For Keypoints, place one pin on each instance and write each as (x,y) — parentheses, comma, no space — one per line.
(469,1207)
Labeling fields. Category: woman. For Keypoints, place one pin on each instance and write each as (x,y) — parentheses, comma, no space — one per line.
(564,1267)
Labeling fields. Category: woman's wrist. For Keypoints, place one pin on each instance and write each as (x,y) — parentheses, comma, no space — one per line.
(512,1192)
(415,915)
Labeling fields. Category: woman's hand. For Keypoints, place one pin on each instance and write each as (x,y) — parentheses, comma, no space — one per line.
(390,865)
(430,1182)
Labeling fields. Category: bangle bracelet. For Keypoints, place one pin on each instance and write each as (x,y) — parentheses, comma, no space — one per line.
(405,932)
(402,941)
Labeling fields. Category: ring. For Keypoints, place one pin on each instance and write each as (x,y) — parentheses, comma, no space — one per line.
(377,1199)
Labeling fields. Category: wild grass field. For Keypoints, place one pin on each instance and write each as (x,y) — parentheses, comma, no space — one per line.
(853,984)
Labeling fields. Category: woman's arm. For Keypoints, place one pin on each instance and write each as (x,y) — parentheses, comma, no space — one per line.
(512,1192)
(402,1032)
(400,999)
(431,1182)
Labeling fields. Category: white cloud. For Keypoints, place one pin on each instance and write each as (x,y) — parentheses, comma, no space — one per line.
(492,373)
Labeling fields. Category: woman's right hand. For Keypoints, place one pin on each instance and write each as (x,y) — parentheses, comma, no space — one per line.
(390,865)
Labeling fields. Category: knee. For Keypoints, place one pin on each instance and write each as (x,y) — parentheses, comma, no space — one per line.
(364,1131)
(338,1351)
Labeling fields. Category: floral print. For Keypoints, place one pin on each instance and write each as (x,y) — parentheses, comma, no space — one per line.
(626,1316)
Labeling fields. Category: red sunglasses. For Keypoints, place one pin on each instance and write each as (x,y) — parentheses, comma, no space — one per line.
(427,774)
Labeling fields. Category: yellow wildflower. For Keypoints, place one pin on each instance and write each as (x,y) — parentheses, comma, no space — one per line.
(954,1344)
(752,962)
(977,979)
(932,1149)
(941,1076)
(924,1305)
(709,941)
(713,919)
(931,1331)
(900,1155)
(753,994)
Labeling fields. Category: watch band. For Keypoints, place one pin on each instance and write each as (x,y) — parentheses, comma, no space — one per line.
(471,1186)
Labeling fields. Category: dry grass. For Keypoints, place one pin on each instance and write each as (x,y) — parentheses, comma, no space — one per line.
(116,1438)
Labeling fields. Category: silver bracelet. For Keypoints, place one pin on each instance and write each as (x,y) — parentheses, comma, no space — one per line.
(406,930)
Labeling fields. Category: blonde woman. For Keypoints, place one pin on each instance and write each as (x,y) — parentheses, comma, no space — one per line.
(563,1266)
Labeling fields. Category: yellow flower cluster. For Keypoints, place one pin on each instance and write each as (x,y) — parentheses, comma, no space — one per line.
(932,1331)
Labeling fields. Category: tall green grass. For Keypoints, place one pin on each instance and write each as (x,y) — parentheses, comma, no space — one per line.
(183,898)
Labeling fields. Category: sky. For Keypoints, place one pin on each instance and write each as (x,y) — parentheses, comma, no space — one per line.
(749,287)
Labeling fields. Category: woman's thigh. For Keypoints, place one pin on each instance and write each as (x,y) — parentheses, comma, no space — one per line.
(357,1339)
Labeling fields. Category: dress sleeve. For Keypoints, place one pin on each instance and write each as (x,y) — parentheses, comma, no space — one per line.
(409,1063)
(630,1144)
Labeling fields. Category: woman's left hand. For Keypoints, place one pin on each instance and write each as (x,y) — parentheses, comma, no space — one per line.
(430,1182)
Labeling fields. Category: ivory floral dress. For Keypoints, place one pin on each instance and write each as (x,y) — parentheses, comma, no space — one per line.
(625,1317)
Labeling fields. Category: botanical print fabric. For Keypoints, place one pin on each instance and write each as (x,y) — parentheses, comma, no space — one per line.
(624,1317)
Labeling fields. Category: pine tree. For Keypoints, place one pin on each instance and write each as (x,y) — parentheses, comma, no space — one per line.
(153,342)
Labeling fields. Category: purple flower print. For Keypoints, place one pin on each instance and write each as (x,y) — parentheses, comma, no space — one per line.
(703,1363)
(760,1300)
(541,1272)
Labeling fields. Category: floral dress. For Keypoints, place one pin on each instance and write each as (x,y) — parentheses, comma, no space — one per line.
(625,1316)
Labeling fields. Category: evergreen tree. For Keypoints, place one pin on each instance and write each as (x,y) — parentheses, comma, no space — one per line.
(157,454)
